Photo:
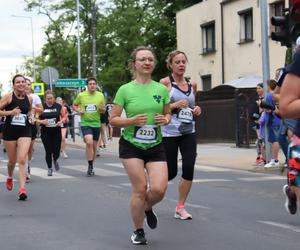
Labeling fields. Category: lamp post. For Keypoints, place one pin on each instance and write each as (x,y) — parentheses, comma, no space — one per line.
(32,44)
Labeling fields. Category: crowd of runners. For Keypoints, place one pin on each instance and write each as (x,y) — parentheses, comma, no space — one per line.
(159,123)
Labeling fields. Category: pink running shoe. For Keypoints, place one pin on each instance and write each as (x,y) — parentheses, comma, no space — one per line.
(22,194)
(182,214)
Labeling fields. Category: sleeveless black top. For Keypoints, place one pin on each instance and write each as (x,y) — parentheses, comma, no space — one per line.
(52,114)
(24,105)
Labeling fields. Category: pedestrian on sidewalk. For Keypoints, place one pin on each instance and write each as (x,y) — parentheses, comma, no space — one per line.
(179,134)
(51,120)
(146,103)
(289,103)
(16,107)
(272,123)
(255,115)
(89,104)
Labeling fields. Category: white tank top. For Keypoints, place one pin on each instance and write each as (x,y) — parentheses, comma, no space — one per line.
(182,122)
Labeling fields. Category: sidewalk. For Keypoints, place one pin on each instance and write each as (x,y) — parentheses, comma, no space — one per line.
(225,155)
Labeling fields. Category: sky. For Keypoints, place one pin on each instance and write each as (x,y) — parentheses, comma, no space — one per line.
(16,38)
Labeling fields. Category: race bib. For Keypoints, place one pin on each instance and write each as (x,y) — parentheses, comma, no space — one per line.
(19,120)
(185,115)
(51,123)
(89,108)
(145,134)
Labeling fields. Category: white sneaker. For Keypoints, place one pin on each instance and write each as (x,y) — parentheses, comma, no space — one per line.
(65,156)
(272,164)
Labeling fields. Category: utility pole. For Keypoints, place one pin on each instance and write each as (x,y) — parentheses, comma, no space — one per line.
(94,23)
(78,42)
(265,61)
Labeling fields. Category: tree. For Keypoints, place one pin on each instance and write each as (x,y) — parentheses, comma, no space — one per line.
(122,26)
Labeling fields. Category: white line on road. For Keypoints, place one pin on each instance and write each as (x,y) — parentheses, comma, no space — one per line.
(263,178)
(188,204)
(42,173)
(209,180)
(2,178)
(212,169)
(98,171)
(115,186)
(117,165)
(281,225)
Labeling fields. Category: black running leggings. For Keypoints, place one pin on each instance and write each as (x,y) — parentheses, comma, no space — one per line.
(51,138)
(188,149)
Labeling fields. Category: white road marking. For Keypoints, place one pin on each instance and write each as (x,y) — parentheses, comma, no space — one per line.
(117,165)
(98,171)
(2,178)
(209,180)
(42,173)
(115,186)
(263,178)
(126,184)
(281,225)
(212,169)
(188,204)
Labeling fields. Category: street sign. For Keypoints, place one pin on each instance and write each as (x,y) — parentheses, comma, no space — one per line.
(38,88)
(70,83)
(49,76)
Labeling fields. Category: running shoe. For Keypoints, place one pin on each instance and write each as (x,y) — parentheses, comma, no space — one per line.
(9,184)
(272,164)
(138,237)
(22,194)
(50,171)
(28,178)
(261,161)
(291,200)
(90,171)
(64,155)
(56,165)
(182,214)
(257,160)
(97,152)
(151,219)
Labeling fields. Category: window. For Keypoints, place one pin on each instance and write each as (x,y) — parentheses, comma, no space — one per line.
(208,37)
(276,9)
(246,25)
(206,82)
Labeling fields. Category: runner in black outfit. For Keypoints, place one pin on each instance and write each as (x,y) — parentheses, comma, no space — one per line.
(51,121)
(16,106)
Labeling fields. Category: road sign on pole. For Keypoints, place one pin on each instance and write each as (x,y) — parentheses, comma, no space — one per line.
(49,75)
(38,88)
(70,83)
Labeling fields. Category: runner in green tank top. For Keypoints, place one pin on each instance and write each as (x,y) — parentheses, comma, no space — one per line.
(147,99)
(89,104)
(146,104)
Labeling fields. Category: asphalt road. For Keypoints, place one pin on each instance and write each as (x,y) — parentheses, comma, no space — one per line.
(231,210)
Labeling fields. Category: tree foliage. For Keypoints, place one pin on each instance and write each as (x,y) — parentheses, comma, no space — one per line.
(121,26)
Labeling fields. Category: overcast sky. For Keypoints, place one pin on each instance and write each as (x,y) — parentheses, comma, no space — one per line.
(15,37)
